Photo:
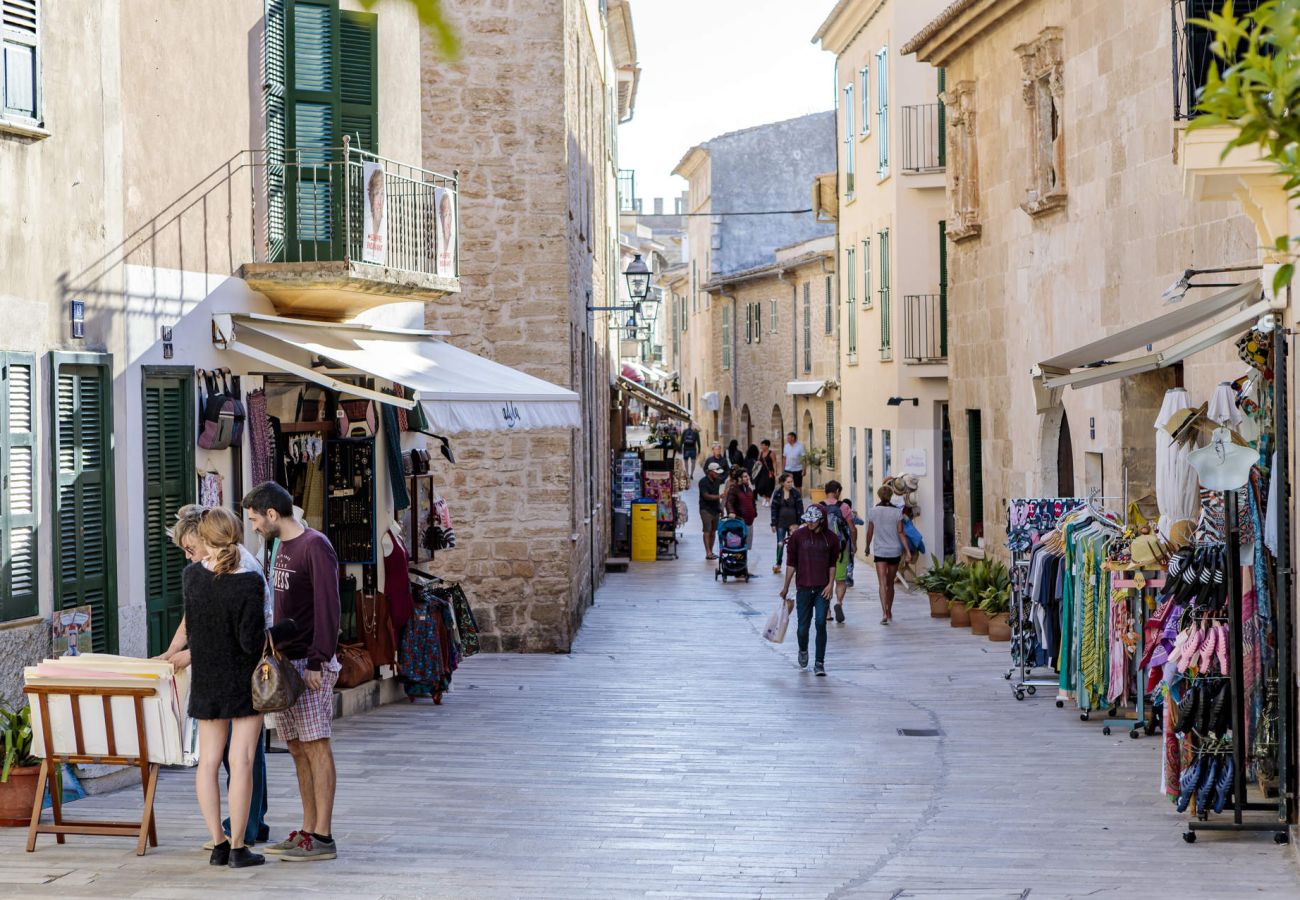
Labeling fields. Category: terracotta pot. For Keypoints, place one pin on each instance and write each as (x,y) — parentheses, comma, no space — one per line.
(999,627)
(817,495)
(979,621)
(17,796)
(938,606)
(958,616)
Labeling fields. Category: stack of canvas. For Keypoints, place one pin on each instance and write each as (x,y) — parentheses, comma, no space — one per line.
(166,723)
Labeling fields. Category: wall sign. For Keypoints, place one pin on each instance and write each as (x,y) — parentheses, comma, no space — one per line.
(915,462)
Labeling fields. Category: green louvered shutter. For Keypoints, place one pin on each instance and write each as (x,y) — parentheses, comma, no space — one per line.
(975,458)
(274,90)
(169,485)
(18,505)
(359,100)
(312,128)
(84,547)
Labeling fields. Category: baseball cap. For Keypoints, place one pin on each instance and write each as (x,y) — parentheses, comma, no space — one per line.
(812,514)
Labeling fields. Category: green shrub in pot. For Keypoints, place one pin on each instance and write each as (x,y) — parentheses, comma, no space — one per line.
(15,741)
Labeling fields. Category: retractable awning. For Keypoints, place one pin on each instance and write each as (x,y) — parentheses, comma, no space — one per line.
(804,388)
(1093,364)
(650,398)
(459,390)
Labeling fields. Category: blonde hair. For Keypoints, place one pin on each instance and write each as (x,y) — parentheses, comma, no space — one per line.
(221,531)
(885,493)
(187,524)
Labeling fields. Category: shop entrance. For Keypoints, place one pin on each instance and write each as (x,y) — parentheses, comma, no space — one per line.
(85,551)
(168,485)
(1064,459)
(949,500)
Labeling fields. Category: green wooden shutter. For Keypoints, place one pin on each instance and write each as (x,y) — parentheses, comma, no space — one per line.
(19,59)
(274,91)
(943,287)
(312,128)
(18,506)
(359,95)
(84,547)
(975,457)
(886,317)
(169,485)
(943,119)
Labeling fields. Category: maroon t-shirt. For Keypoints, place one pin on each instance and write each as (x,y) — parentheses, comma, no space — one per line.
(812,555)
(305,578)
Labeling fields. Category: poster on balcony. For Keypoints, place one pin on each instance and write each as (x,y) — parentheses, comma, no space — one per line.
(444,202)
(375,211)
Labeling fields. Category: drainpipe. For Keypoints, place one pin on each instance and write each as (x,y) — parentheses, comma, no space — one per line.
(794,346)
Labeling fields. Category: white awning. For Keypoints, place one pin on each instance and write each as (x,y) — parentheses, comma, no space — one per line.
(802,388)
(653,399)
(459,390)
(710,401)
(1091,363)
(649,373)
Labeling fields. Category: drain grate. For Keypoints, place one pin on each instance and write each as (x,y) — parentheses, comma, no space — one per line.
(919,732)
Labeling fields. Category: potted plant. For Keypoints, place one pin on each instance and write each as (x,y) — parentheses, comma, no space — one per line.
(996,605)
(964,593)
(19,770)
(813,458)
(937,582)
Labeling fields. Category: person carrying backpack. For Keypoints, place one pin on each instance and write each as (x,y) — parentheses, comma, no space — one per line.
(839,523)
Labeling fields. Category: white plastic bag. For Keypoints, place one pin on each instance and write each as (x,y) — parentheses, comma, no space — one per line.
(777,623)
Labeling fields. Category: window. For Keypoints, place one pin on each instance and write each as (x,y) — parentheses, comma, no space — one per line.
(830,308)
(749,323)
(848,141)
(726,337)
(829,288)
(866,273)
(685,318)
(964,190)
(975,475)
(807,326)
(868,468)
(850,267)
(758,321)
(677,335)
(886,453)
(853,467)
(18,504)
(863,86)
(886,323)
(830,434)
(1044,96)
(695,290)
(772,315)
(882,109)
(20,63)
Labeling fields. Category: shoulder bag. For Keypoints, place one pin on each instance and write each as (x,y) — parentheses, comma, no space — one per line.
(276,683)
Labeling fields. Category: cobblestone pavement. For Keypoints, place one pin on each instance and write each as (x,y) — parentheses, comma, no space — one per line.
(675,753)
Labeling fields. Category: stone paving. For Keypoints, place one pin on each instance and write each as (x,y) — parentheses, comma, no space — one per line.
(675,753)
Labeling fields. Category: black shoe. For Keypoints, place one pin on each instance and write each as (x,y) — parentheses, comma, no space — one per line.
(220,854)
(839,613)
(819,668)
(803,659)
(242,858)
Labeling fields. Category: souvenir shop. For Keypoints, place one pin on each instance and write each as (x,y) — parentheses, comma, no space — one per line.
(1172,621)
(651,472)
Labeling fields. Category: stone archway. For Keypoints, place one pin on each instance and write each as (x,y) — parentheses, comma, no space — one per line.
(1055,454)
(809,434)
(777,426)
(746,428)
(727,427)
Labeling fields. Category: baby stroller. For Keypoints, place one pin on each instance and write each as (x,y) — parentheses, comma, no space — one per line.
(733,557)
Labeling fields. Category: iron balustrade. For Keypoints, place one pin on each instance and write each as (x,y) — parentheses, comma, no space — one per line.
(924,142)
(1190,49)
(925,328)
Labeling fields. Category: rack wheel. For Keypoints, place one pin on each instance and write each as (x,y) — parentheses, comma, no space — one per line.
(1281,838)
(1020,695)
(1189,836)
(1060,704)
(1134,734)
(1032,690)
(1105,730)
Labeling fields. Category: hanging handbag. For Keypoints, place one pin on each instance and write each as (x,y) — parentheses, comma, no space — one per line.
(420,462)
(357,667)
(357,418)
(276,683)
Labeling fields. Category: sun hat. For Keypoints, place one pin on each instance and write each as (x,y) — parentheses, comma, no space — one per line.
(812,514)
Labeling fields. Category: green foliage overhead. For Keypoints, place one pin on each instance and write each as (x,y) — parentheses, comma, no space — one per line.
(432,17)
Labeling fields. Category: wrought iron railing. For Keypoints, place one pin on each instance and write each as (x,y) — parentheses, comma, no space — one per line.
(1190,48)
(924,143)
(925,328)
(627,201)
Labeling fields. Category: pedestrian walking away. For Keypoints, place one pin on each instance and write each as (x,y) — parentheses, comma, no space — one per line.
(690,444)
(810,554)
(710,504)
(888,547)
(734,456)
(225,629)
(787,507)
(839,522)
(792,455)
(304,578)
(765,477)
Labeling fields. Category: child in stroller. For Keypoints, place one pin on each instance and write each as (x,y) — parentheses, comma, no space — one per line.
(733,557)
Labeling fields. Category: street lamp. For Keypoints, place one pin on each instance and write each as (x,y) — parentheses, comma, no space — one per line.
(899,401)
(638,279)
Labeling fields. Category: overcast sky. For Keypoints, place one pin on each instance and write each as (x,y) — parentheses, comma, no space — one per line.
(713,66)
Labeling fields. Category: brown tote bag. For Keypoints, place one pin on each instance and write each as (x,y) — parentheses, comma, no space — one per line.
(276,683)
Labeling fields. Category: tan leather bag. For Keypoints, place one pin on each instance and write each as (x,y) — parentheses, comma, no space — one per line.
(357,666)
(276,683)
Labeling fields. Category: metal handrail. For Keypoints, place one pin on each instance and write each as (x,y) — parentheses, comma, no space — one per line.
(925,331)
(924,142)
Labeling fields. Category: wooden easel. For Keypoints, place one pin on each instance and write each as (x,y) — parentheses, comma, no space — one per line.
(51,775)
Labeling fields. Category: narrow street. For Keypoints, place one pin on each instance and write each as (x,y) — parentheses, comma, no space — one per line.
(675,753)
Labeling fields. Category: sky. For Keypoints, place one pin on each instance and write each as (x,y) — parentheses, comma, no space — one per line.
(713,66)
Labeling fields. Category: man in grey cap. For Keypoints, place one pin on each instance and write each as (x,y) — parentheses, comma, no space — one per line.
(810,556)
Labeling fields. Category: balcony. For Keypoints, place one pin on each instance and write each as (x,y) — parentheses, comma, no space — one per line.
(924,143)
(925,330)
(1191,48)
(337,231)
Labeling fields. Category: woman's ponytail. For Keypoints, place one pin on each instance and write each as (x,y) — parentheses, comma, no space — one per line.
(220,531)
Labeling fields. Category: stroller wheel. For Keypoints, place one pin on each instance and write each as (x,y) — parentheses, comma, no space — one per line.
(715,575)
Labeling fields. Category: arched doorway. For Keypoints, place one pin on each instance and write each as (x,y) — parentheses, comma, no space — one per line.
(808,433)
(1064,459)
(727,427)
(746,428)
(778,427)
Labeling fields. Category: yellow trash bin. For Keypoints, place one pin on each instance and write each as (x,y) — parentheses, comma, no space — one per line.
(645,530)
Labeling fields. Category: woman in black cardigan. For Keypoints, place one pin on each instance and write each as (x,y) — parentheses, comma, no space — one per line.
(226,630)
(787,507)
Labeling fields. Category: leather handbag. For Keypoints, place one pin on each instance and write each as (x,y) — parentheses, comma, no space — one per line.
(420,461)
(276,683)
(357,666)
(356,418)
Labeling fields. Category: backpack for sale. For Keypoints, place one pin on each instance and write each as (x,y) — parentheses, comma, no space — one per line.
(221,414)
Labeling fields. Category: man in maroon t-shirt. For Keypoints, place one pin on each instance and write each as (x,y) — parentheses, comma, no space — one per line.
(305,581)
(810,556)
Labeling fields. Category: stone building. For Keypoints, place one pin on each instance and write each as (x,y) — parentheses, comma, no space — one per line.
(767,169)
(1066,222)
(891,208)
(533,108)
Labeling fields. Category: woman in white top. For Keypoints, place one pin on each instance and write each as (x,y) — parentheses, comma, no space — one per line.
(888,546)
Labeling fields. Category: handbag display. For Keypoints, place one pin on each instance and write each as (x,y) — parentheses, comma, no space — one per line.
(420,462)
(356,418)
(357,665)
(777,623)
(276,684)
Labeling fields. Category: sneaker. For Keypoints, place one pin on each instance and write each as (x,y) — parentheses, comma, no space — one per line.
(289,843)
(242,858)
(310,850)
(803,659)
(208,845)
(839,613)
(819,669)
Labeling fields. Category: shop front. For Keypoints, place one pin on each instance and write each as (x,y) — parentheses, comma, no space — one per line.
(647,468)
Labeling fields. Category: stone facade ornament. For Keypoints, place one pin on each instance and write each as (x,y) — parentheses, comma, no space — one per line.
(1043,90)
(959,108)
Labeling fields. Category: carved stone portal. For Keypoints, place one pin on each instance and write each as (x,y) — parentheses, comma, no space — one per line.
(1043,90)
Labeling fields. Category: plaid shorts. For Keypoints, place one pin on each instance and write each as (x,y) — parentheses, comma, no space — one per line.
(311,718)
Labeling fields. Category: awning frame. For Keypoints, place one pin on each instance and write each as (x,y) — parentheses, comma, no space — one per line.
(657,400)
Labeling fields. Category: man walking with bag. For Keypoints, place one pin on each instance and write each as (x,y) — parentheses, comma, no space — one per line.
(810,556)
(305,579)
(839,523)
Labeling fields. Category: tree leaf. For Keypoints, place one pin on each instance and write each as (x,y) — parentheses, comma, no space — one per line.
(1282,277)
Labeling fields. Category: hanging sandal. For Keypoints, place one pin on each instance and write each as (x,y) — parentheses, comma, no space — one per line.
(1187,783)
(1223,785)
(1208,780)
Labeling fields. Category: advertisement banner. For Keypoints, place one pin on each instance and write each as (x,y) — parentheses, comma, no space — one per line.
(375,214)
(444,203)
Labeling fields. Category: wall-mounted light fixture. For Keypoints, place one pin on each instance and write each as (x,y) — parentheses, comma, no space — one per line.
(899,401)
(78,314)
